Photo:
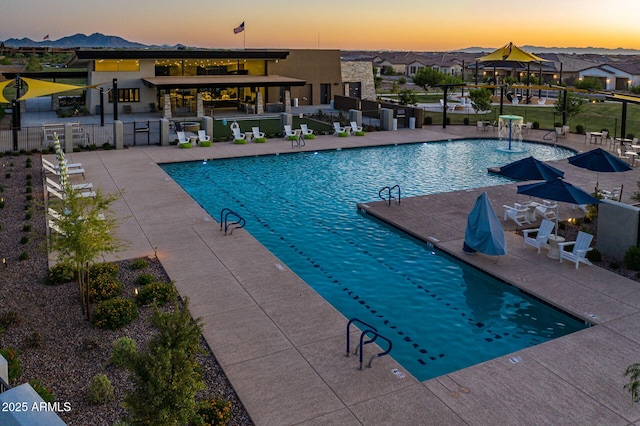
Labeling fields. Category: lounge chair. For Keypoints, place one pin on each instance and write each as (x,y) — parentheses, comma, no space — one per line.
(517,213)
(542,234)
(183,141)
(580,249)
(62,196)
(355,128)
(305,130)
(57,166)
(547,209)
(257,133)
(202,136)
(291,134)
(238,137)
(76,187)
(339,130)
(69,172)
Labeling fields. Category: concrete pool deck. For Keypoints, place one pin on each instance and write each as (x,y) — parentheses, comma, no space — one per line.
(282,345)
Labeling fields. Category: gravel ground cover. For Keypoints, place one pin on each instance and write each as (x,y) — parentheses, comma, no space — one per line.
(56,344)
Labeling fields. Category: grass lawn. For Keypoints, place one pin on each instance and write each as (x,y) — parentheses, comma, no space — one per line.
(594,116)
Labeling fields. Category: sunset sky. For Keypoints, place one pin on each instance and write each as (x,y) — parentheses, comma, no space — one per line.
(420,25)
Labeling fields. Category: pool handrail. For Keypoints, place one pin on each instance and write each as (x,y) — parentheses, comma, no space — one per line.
(351,321)
(375,336)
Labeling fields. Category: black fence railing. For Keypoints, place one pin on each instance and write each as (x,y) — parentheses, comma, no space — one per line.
(4,386)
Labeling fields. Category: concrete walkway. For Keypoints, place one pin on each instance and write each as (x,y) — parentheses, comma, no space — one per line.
(282,345)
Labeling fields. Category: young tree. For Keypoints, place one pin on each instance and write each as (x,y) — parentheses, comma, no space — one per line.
(407,97)
(574,104)
(166,376)
(86,229)
(480,99)
(428,77)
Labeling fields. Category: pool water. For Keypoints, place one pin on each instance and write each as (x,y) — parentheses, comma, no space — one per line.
(440,314)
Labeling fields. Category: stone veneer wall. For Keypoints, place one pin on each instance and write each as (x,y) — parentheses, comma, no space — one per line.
(359,72)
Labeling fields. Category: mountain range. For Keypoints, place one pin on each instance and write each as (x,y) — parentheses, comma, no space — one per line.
(94,40)
(98,40)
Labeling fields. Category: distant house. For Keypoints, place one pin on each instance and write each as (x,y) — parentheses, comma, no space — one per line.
(614,76)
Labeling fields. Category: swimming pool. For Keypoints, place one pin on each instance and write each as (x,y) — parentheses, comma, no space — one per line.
(440,314)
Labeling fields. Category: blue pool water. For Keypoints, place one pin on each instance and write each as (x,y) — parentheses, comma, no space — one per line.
(440,314)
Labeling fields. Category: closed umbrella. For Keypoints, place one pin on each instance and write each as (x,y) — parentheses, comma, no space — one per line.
(530,168)
(484,231)
(558,190)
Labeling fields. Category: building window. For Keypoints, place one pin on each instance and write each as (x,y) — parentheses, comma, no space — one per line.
(120,65)
(126,95)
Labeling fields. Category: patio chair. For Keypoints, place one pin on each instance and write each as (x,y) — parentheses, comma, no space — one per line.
(87,186)
(290,133)
(542,234)
(183,139)
(338,130)
(517,213)
(547,210)
(238,136)
(62,196)
(614,194)
(257,133)
(56,172)
(355,128)
(306,131)
(202,136)
(57,166)
(580,249)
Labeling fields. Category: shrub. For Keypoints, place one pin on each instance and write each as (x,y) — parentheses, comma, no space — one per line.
(60,274)
(139,264)
(632,258)
(104,287)
(205,144)
(13,362)
(535,125)
(185,145)
(215,411)
(237,142)
(428,120)
(9,318)
(34,340)
(44,392)
(447,120)
(358,133)
(106,268)
(594,255)
(156,293)
(23,256)
(24,239)
(26,227)
(101,389)
(114,313)
(124,350)
(580,129)
(144,279)
(465,121)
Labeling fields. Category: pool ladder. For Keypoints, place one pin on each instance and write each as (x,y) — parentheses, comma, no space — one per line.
(369,330)
(237,220)
(392,193)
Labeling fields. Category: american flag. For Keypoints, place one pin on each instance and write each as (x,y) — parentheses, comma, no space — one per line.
(239,28)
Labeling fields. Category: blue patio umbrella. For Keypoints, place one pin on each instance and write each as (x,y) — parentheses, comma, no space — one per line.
(484,231)
(558,190)
(599,160)
(530,168)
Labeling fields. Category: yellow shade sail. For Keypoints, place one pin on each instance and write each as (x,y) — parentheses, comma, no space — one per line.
(511,52)
(4,84)
(39,88)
